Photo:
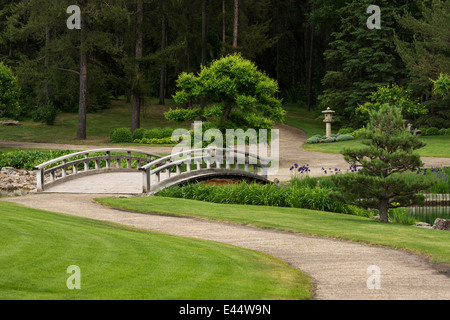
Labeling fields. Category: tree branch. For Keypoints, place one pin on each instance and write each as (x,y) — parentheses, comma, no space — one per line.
(69,70)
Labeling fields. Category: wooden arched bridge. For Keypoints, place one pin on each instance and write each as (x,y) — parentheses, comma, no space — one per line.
(157,171)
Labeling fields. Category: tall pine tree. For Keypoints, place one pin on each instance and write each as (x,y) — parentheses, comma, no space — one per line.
(360,59)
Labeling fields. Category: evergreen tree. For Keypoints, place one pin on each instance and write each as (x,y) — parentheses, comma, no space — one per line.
(426,56)
(382,184)
(360,60)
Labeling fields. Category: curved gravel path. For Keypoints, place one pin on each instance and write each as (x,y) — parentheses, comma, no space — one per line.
(337,268)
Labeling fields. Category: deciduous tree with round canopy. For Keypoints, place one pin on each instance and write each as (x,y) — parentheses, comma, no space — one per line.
(238,94)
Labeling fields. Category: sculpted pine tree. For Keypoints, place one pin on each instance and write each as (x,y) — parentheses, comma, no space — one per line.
(381,182)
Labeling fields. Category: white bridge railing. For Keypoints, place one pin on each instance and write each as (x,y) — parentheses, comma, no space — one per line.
(90,162)
(195,160)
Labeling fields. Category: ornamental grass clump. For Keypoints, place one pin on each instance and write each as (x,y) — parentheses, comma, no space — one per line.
(247,193)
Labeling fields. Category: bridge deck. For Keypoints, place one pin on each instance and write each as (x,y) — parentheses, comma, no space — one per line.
(107,183)
(113,183)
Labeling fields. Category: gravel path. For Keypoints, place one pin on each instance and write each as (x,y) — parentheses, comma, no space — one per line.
(337,268)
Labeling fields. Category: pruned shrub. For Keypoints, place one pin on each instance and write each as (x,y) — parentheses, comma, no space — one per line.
(139,133)
(121,135)
(344,137)
(334,138)
(313,140)
(433,131)
(158,133)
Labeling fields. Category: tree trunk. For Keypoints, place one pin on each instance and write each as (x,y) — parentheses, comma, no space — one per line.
(204,43)
(47,41)
(162,82)
(226,113)
(311,47)
(136,109)
(82,106)
(236,23)
(223,26)
(203,99)
(383,208)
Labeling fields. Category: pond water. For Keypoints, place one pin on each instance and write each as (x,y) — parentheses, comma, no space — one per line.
(429,214)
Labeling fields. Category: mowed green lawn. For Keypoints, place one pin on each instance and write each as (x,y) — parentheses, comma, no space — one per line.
(99,125)
(433,243)
(436,146)
(118,262)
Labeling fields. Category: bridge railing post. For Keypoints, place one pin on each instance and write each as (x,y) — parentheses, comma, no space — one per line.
(40,179)
(86,162)
(64,169)
(129,160)
(188,161)
(264,169)
(108,159)
(208,159)
(146,175)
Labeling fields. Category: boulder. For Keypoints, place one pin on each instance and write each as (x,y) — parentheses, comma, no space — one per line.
(441,224)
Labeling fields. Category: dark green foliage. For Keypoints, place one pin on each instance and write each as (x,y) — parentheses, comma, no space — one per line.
(9,92)
(121,135)
(433,131)
(425,54)
(360,60)
(45,113)
(444,131)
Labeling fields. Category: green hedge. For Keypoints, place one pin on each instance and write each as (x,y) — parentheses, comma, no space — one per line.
(158,133)
(433,131)
(28,159)
(156,141)
(121,135)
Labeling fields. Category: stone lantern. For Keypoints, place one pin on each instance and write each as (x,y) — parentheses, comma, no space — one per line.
(328,120)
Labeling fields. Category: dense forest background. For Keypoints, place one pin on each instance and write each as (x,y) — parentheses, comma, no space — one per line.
(321,52)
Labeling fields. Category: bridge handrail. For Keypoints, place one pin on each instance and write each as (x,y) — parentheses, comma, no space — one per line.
(193,151)
(166,163)
(42,171)
(80,153)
